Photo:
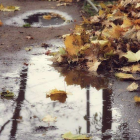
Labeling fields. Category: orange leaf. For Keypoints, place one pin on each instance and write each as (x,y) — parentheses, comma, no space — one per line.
(1,23)
(137,21)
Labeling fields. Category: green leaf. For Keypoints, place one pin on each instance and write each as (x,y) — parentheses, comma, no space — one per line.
(27,25)
(70,136)
(132,57)
(7,94)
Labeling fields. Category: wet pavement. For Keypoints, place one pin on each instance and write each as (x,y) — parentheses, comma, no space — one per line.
(98,104)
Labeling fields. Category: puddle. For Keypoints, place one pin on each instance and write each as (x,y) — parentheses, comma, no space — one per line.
(89,109)
(35,18)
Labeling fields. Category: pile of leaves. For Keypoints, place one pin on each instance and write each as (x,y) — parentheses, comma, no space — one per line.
(105,41)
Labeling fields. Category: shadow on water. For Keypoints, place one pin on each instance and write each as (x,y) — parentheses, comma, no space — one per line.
(38,19)
(19,102)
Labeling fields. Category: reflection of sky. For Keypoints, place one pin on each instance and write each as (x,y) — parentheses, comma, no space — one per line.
(70,115)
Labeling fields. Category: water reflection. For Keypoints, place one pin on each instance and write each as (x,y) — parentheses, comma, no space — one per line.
(107,112)
(19,101)
(82,78)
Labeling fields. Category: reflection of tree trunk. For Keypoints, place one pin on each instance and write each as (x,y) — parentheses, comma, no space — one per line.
(107,112)
(20,99)
(88,109)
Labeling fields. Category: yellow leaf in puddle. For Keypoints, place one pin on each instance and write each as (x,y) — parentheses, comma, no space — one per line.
(125,76)
(47,17)
(71,136)
(49,118)
(132,87)
(58,95)
(137,99)
(132,57)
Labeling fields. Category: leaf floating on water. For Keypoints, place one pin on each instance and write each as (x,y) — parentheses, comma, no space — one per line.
(47,17)
(57,95)
(49,118)
(137,99)
(7,94)
(70,136)
(125,76)
(132,87)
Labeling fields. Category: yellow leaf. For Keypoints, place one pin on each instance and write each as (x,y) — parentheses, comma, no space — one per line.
(70,136)
(57,95)
(93,66)
(137,99)
(132,87)
(86,21)
(9,8)
(125,76)
(126,23)
(49,118)
(131,69)
(103,5)
(73,44)
(101,12)
(132,57)
(102,43)
(47,17)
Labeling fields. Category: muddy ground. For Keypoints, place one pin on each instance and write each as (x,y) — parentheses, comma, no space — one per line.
(108,113)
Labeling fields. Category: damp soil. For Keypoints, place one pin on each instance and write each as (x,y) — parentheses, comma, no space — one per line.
(94,107)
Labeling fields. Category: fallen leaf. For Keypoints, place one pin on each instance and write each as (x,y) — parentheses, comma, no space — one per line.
(93,66)
(73,44)
(131,69)
(132,57)
(49,118)
(48,17)
(125,76)
(7,94)
(63,4)
(28,48)
(132,87)
(137,99)
(57,95)
(29,37)
(126,23)
(9,8)
(48,52)
(101,43)
(1,23)
(70,136)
